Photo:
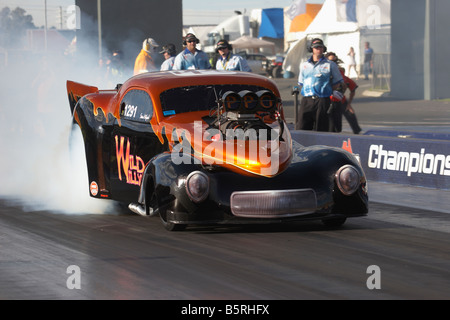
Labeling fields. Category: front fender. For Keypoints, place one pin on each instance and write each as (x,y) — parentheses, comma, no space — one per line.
(311,168)
(163,182)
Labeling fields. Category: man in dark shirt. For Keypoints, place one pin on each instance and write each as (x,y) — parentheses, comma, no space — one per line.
(368,60)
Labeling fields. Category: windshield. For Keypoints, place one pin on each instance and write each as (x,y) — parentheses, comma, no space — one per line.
(197,98)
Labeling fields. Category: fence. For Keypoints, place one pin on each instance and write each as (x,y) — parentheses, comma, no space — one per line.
(381,72)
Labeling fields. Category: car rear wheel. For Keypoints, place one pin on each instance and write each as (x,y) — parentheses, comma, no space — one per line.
(77,156)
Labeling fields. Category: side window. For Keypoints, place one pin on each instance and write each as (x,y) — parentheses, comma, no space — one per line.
(136,106)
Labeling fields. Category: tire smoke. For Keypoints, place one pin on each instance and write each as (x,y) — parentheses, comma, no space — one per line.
(38,170)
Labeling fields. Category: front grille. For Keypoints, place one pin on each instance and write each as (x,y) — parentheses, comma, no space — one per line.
(273,203)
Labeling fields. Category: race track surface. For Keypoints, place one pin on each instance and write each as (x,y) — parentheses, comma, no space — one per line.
(126,256)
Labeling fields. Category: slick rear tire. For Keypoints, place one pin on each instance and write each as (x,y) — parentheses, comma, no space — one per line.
(77,155)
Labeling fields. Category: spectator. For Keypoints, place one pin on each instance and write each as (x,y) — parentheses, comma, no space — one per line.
(343,106)
(335,111)
(318,78)
(227,60)
(145,60)
(101,70)
(170,52)
(368,60)
(115,68)
(351,56)
(191,58)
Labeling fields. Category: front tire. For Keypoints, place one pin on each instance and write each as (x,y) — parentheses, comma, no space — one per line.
(334,222)
(170,226)
(152,204)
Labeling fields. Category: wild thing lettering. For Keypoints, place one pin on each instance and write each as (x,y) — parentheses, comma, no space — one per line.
(133,166)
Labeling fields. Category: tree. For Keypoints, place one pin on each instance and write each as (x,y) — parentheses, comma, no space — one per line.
(13,26)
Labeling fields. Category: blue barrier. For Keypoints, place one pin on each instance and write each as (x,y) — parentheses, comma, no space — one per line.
(414,162)
(409,134)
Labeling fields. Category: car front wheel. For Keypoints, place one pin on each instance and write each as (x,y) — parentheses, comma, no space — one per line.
(334,222)
(170,226)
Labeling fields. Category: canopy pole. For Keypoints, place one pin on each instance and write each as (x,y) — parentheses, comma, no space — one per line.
(99,20)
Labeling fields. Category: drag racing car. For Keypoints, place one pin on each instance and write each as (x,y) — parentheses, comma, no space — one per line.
(209,147)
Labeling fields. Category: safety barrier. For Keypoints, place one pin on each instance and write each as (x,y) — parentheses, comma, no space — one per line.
(423,162)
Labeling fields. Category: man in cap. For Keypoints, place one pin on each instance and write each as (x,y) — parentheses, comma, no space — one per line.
(319,77)
(191,58)
(145,60)
(227,60)
(169,51)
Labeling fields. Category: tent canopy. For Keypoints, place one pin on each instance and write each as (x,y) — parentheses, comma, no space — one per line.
(247,42)
(272,23)
(327,21)
(339,23)
(302,21)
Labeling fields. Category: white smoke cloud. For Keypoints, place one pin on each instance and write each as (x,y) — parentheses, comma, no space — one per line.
(37,168)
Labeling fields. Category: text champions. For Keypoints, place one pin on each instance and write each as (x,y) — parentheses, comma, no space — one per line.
(409,162)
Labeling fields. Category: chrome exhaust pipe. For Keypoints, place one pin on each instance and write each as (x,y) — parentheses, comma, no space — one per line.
(137,208)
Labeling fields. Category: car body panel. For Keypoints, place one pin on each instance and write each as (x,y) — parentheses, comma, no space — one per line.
(145,138)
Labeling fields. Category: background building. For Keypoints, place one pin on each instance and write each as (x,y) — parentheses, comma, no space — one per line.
(420,48)
(125,25)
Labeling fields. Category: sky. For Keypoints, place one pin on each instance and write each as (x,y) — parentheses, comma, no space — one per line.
(194,11)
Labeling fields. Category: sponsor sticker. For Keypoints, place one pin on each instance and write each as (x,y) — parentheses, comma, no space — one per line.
(94,188)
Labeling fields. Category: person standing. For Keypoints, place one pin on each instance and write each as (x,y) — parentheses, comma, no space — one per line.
(342,105)
(349,112)
(169,51)
(351,56)
(318,77)
(145,60)
(115,68)
(336,110)
(191,58)
(229,61)
(368,60)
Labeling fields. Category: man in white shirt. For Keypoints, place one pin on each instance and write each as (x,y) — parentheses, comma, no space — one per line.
(169,51)
(228,60)
(191,58)
(318,77)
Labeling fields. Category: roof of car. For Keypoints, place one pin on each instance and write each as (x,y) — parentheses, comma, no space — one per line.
(158,82)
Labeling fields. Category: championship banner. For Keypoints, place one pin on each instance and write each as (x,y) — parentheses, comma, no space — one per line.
(414,162)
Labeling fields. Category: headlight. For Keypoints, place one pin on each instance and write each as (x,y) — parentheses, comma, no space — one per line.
(348,179)
(197,186)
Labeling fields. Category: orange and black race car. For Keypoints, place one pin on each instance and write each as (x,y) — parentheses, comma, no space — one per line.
(209,147)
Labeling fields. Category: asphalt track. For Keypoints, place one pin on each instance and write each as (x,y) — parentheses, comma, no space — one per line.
(124,256)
